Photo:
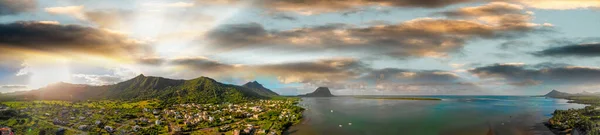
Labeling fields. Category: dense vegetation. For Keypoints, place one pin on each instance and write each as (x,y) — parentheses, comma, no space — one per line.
(147,117)
(136,106)
(584,121)
(25,124)
(199,90)
(168,91)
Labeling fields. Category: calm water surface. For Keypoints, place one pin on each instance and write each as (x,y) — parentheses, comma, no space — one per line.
(453,115)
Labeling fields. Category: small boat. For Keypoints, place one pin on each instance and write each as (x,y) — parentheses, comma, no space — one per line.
(349,123)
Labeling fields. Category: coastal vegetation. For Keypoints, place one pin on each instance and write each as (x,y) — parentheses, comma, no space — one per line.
(584,121)
(576,121)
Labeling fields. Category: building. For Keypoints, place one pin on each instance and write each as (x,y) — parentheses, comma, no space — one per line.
(108,129)
(136,128)
(6,131)
(236,132)
(83,127)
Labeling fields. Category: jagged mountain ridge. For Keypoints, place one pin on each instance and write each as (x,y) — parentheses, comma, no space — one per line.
(198,90)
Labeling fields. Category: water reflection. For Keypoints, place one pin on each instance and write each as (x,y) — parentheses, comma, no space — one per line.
(452,115)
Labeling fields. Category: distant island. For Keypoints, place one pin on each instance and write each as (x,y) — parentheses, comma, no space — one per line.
(398,98)
(319,92)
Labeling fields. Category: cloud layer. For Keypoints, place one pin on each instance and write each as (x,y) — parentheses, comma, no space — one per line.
(70,40)
(579,50)
(13,7)
(422,37)
(538,74)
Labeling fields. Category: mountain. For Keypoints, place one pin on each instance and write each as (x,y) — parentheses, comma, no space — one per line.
(319,92)
(260,89)
(199,90)
(586,93)
(557,94)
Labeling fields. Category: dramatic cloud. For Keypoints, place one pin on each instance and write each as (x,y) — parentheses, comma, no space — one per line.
(68,39)
(128,20)
(579,50)
(234,35)
(491,9)
(322,6)
(417,81)
(200,63)
(544,73)
(561,4)
(514,44)
(13,86)
(420,37)
(76,11)
(572,41)
(321,72)
(338,74)
(98,79)
(412,76)
(169,5)
(284,17)
(106,18)
(499,14)
(13,7)
(154,61)
(309,7)
(110,18)
(423,37)
(13,74)
(12,71)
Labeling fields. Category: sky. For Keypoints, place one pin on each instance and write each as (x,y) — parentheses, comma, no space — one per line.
(354,47)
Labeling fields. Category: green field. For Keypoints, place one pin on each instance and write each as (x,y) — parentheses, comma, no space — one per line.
(139,117)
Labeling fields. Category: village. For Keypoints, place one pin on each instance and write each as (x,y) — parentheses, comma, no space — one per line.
(260,117)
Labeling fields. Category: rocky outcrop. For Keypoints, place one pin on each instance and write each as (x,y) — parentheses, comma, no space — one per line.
(319,92)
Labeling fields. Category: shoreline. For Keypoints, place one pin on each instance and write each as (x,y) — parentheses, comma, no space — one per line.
(303,119)
(570,100)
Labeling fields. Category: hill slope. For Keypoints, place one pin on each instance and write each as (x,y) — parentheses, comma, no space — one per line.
(319,92)
(557,94)
(260,89)
(199,90)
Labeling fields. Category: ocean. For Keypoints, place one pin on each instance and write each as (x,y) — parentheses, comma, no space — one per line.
(453,115)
